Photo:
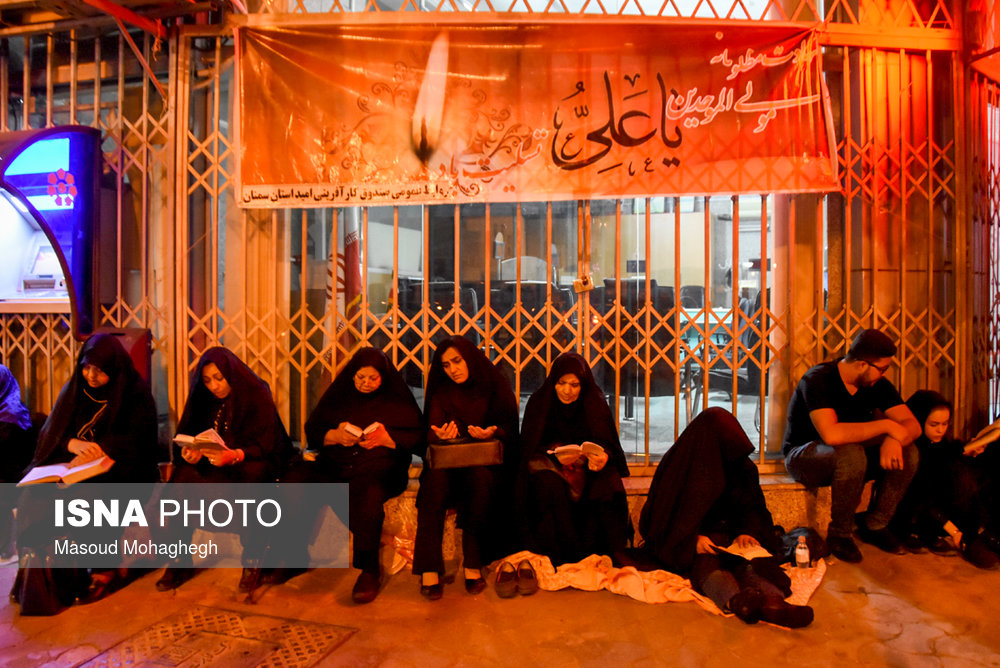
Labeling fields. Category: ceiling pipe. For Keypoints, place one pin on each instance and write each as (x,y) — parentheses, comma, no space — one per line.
(128,16)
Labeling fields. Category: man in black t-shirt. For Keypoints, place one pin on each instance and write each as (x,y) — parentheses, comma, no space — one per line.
(847,423)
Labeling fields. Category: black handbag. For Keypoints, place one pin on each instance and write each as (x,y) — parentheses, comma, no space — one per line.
(463,454)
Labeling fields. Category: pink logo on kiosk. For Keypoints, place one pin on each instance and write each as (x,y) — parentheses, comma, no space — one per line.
(62,187)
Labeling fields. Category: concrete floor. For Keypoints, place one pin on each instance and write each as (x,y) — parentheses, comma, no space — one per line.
(913,610)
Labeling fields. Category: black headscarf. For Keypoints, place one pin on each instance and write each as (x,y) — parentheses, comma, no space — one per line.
(705,484)
(120,416)
(923,402)
(12,410)
(246,419)
(549,422)
(484,400)
(392,404)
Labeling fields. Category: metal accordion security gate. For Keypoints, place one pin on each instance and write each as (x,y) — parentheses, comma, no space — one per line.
(696,301)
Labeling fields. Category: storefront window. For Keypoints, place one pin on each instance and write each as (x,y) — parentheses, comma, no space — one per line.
(530,281)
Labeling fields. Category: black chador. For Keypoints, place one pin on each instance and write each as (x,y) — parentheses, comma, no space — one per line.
(571,511)
(481,493)
(375,474)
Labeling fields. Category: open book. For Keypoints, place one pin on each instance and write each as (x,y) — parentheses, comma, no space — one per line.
(748,553)
(986,435)
(67,473)
(207,441)
(358,432)
(567,454)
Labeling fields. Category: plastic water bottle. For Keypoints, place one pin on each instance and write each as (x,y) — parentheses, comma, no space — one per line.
(802,553)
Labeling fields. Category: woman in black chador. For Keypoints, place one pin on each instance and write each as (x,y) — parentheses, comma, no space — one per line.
(18,447)
(368,391)
(466,397)
(230,398)
(573,505)
(955,485)
(706,495)
(106,408)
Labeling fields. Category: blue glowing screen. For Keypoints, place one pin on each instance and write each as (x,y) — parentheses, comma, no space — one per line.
(56,173)
(42,157)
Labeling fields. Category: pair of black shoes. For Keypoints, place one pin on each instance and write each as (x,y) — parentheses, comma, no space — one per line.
(513,580)
(435,591)
(916,543)
(751,606)
(845,549)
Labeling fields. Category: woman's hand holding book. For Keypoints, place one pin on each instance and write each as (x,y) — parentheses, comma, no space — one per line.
(191,455)
(225,457)
(341,435)
(85,451)
(596,460)
(977,446)
(375,435)
(705,545)
(570,454)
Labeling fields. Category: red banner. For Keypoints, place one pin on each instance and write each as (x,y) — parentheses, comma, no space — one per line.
(346,115)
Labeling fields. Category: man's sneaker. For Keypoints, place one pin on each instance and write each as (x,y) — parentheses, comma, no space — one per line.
(880,538)
(844,548)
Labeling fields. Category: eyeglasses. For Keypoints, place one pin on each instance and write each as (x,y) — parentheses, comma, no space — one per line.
(881,369)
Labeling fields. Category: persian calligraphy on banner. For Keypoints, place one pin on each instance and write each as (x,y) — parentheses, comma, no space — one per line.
(345,115)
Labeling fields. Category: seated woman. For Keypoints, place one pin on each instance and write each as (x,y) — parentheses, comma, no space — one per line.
(573,504)
(466,397)
(227,396)
(369,390)
(955,486)
(18,447)
(706,495)
(105,408)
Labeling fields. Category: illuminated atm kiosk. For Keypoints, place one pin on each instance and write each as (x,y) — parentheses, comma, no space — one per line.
(49,201)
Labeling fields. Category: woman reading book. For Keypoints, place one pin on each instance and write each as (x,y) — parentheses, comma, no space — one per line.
(705,497)
(467,397)
(955,487)
(573,504)
(18,447)
(228,397)
(105,415)
(364,430)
